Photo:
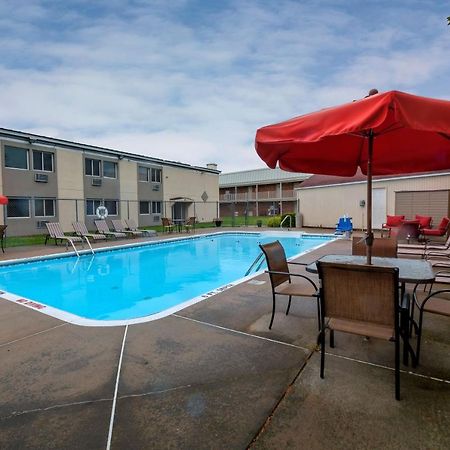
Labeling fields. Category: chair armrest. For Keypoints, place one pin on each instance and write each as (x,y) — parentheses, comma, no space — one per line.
(298,263)
(274,272)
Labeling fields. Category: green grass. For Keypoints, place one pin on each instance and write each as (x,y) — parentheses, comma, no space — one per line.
(17,241)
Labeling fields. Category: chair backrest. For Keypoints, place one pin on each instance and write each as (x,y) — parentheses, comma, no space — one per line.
(54,229)
(443,225)
(191,221)
(276,261)
(101,225)
(166,222)
(117,225)
(80,228)
(359,292)
(131,224)
(2,230)
(386,248)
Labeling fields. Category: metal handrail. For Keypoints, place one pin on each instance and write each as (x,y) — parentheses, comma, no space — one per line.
(254,263)
(89,244)
(290,221)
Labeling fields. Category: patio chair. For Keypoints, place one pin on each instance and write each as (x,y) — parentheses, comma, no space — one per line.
(361,300)
(437,302)
(190,224)
(281,278)
(102,228)
(119,228)
(131,225)
(82,231)
(2,236)
(441,229)
(167,224)
(391,222)
(423,248)
(386,248)
(55,232)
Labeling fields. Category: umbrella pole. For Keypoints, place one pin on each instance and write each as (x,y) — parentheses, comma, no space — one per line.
(369,237)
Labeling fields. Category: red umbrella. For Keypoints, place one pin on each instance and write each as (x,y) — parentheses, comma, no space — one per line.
(383,134)
(3,200)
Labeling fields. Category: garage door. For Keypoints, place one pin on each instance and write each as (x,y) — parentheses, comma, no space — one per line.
(425,203)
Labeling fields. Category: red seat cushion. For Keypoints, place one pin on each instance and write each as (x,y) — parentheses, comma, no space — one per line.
(424,221)
(433,231)
(394,221)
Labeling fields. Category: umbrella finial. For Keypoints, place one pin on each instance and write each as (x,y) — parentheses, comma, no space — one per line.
(372,92)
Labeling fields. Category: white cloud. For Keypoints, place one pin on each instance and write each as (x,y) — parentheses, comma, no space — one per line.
(179,82)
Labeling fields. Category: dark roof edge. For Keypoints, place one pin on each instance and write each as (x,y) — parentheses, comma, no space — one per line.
(45,140)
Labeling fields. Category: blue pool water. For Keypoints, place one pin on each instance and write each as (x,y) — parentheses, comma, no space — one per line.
(139,281)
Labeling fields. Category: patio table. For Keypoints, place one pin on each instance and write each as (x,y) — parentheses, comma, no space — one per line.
(410,270)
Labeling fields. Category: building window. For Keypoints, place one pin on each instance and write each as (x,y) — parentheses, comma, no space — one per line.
(144,208)
(109,169)
(156,207)
(43,161)
(92,167)
(91,206)
(156,175)
(112,207)
(16,158)
(144,173)
(44,207)
(18,208)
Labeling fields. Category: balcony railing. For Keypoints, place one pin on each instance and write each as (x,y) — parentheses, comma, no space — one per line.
(244,196)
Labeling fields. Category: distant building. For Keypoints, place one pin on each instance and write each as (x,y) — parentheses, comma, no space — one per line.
(259,192)
(54,180)
(323,199)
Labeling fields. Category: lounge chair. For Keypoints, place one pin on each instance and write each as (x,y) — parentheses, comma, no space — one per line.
(362,300)
(55,232)
(190,224)
(131,225)
(280,278)
(119,228)
(81,230)
(167,224)
(102,228)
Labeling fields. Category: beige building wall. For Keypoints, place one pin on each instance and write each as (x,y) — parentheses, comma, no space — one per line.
(128,190)
(322,206)
(69,172)
(179,182)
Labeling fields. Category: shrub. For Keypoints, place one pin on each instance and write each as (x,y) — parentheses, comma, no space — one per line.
(274,222)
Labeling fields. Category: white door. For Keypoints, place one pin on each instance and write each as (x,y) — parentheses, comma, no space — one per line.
(378,207)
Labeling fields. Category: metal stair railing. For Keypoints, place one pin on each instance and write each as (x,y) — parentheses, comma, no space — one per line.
(261,255)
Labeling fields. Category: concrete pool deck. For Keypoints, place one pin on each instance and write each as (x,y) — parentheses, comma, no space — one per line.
(213,376)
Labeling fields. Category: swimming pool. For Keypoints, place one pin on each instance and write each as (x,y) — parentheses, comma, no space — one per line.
(136,283)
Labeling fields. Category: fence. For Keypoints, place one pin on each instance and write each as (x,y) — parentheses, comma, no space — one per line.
(28,215)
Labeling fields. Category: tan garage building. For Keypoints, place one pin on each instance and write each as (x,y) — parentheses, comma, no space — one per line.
(323,199)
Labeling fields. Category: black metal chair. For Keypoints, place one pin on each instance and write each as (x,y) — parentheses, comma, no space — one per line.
(2,236)
(280,278)
(362,300)
(437,302)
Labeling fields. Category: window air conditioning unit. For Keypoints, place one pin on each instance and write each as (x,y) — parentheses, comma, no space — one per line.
(156,218)
(96,181)
(41,177)
(40,224)
(155,187)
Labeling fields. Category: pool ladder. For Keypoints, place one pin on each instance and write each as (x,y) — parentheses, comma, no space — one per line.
(254,263)
(75,249)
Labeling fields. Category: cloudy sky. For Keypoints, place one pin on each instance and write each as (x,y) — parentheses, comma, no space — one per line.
(192,80)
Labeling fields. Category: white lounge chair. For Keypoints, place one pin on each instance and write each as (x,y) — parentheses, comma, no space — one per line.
(81,230)
(102,228)
(119,228)
(55,232)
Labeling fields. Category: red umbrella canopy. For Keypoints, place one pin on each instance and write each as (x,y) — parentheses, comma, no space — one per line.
(410,134)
